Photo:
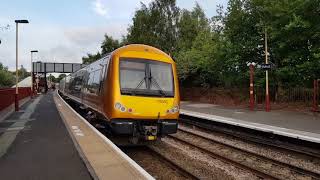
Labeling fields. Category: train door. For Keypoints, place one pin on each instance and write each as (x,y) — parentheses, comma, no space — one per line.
(104,73)
(84,85)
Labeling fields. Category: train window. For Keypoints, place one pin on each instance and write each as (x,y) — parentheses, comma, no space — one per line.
(90,82)
(146,77)
(132,75)
(77,83)
(94,82)
(162,74)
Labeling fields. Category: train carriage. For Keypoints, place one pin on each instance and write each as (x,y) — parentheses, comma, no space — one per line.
(134,90)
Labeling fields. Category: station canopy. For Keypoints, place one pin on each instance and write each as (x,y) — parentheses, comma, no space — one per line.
(48,67)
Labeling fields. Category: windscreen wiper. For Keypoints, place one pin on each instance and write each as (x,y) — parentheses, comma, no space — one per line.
(139,85)
(153,80)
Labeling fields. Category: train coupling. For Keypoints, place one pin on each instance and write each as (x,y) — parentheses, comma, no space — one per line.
(150,132)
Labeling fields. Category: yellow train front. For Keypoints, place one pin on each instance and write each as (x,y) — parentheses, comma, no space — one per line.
(142,93)
(133,90)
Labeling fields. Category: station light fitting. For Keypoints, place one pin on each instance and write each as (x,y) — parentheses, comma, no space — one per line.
(21,21)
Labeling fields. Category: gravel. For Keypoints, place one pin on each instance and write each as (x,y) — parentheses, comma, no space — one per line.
(296,159)
(198,163)
(154,165)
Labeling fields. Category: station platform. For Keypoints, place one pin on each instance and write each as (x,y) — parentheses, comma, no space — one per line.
(46,139)
(304,126)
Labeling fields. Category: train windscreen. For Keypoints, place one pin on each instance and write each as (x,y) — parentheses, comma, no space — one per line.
(146,77)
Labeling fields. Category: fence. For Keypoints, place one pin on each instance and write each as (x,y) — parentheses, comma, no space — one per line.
(285,95)
(7,95)
(236,96)
(214,95)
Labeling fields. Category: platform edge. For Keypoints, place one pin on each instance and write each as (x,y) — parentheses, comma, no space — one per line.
(250,125)
(106,140)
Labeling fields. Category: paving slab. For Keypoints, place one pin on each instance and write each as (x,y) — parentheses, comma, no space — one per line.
(35,144)
(295,123)
(103,159)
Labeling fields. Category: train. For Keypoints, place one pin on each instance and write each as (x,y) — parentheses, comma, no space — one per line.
(133,90)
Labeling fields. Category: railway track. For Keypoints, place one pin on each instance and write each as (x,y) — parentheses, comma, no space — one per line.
(255,136)
(156,164)
(261,166)
(152,161)
(165,161)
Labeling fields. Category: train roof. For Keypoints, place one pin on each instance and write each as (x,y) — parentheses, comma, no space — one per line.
(142,48)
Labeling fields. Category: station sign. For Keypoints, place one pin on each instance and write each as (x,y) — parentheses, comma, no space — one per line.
(266,66)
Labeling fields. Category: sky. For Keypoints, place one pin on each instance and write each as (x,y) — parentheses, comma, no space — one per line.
(66,30)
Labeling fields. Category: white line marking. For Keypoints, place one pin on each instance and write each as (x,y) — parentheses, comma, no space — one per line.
(79,134)
(122,154)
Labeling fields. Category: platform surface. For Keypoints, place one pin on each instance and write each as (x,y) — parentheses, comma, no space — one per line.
(305,126)
(102,157)
(35,144)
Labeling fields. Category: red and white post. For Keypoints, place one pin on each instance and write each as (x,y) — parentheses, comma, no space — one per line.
(251,87)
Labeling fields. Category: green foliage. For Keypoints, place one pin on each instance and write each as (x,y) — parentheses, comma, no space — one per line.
(190,24)
(6,77)
(52,78)
(22,73)
(90,58)
(215,51)
(61,76)
(109,44)
(155,25)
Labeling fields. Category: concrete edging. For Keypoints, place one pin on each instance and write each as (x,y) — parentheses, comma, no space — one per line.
(306,136)
(106,140)
(77,146)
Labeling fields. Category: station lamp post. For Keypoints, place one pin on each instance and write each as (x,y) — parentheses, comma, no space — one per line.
(16,100)
(32,91)
(267,73)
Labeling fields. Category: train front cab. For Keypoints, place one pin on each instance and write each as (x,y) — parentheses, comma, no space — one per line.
(145,93)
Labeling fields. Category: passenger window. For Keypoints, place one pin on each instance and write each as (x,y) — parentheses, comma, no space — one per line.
(77,83)
(94,82)
(90,82)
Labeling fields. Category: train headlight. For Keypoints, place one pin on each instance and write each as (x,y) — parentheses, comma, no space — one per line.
(176,109)
(118,105)
(123,109)
(173,110)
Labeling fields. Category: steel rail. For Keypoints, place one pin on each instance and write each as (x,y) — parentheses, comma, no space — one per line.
(296,169)
(226,159)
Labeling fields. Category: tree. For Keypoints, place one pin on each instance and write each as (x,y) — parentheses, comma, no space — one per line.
(155,25)
(22,73)
(60,77)
(90,58)
(190,24)
(109,44)
(215,52)
(6,77)
(52,79)
(293,42)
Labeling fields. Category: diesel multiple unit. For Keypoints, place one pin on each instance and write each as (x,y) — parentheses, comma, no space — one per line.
(133,90)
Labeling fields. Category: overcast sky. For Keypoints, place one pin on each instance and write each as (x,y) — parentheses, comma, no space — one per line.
(65,30)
